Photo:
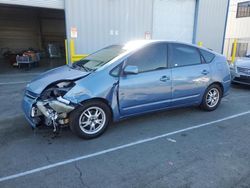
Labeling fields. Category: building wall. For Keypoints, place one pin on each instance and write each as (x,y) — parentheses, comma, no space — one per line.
(237,28)
(211,23)
(103,22)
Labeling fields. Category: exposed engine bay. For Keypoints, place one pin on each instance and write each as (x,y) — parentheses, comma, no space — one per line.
(51,108)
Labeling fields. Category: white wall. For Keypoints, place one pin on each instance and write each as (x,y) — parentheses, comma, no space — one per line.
(101,23)
(183,14)
(237,28)
(95,19)
(211,23)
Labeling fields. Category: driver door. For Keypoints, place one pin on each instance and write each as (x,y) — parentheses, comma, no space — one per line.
(150,88)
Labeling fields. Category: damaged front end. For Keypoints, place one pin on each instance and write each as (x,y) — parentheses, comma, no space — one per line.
(50,108)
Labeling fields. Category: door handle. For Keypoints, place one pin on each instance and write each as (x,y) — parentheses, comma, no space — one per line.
(205,72)
(164,78)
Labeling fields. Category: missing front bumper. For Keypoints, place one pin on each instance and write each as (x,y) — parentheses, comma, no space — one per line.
(54,109)
(52,112)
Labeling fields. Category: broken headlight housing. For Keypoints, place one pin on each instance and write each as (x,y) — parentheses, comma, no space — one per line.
(57,90)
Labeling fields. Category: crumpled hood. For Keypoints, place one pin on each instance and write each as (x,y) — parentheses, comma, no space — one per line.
(243,62)
(38,84)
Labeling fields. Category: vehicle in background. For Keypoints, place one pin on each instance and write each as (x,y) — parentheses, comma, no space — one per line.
(120,81)
(240,71)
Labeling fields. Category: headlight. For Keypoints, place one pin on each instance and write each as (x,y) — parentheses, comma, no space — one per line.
(57,90)
(62,88)
(63,84)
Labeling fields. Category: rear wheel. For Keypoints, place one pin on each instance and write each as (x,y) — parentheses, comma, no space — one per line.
(90,120)
(212,98)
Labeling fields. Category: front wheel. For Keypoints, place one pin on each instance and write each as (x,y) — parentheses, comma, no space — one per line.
(90,120)
(211,98)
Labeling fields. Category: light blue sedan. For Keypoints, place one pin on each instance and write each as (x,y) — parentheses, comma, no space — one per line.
(120,81)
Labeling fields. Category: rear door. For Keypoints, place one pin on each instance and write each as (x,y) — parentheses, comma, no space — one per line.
(190,74)
(150,89)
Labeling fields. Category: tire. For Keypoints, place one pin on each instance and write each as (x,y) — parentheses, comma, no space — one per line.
(90,120)
(210,102)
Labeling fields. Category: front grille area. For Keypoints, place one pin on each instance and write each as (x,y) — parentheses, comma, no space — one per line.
(245,79)
(243,70)
(31,94)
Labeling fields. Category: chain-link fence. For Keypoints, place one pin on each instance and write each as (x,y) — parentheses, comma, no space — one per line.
(242,47)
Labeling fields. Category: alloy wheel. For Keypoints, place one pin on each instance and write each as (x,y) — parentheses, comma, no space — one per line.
(92,120)
(213,97)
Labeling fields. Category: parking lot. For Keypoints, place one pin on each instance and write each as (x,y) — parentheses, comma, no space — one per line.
(178,148)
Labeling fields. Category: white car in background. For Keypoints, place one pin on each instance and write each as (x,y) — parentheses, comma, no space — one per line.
(240,71)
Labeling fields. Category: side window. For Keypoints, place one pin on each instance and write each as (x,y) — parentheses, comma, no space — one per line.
(183,55)
(152,57)
(208,56)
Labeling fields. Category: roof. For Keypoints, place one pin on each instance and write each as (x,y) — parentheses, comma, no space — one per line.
(136,44)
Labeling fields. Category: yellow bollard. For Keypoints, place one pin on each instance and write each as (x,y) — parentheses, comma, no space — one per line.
(72,50)
(200,44)
(234,50)
(75,57)
(66,51)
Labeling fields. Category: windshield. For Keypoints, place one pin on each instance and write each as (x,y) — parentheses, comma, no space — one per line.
(99,58)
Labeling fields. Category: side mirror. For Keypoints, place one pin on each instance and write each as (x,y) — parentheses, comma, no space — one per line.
(130,69)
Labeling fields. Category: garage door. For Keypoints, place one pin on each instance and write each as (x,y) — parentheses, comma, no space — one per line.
(56,4)
(22,28)
(174,20)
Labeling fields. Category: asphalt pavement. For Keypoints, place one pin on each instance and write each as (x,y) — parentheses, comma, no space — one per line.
(178,148)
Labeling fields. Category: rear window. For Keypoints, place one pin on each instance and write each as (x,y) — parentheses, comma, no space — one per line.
(208,56)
